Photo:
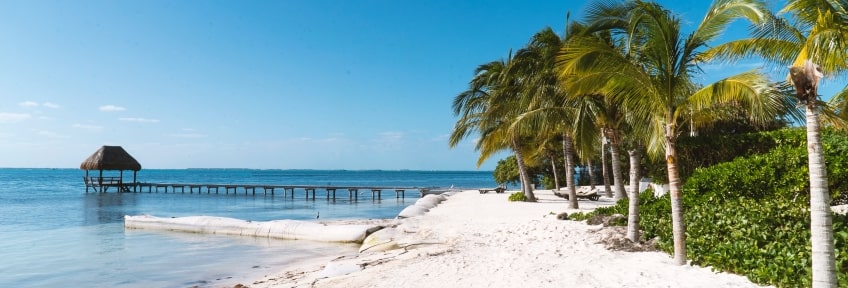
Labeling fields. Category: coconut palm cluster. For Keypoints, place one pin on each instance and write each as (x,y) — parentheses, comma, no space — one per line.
(625,77)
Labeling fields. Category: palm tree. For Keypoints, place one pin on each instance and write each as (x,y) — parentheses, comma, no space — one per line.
(547,147)
(817,44)
(604,172)
(806,79)
(608,117)
(614,136)
(633,207)
(550,109)
(489,108)
(653,76)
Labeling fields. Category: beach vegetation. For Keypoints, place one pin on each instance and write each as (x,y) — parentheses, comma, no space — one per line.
(626,81)
(708,149)
(517,197)
(654,76)
(549,110)
(548,152)
(812,39)
(506,172)
(489,107)
(749,216)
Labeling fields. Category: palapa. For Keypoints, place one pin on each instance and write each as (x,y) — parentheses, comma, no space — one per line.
(109,158)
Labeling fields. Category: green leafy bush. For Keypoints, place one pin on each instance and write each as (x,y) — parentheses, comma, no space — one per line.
(708,150)
(655,212)
(580,216)
(750,216)
(517,196)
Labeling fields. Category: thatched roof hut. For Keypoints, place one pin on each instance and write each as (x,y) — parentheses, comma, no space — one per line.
(110,158)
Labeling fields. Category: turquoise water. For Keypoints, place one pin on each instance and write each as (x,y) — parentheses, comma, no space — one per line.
(54,234)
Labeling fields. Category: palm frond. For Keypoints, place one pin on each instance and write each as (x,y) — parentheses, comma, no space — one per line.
(722,12)
(762,100)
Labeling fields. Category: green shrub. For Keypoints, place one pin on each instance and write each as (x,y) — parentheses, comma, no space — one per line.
(517,196)
(708,150)
(579,216)
(750,216)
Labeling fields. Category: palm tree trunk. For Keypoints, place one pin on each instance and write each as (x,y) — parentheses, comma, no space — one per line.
(591,173)
(633,211)
(677,225)
(522,171)
(821,226)
(569,171)
(553,166)
(617,178)
(607,190)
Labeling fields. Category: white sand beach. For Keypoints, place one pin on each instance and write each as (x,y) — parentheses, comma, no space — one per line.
(483,240)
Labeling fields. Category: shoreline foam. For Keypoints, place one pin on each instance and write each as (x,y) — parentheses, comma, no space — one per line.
(482,240)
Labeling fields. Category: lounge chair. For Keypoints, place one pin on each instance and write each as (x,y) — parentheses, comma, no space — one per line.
(582,193)
(499,189)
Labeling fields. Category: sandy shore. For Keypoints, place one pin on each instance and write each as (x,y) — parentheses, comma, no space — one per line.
(482,240)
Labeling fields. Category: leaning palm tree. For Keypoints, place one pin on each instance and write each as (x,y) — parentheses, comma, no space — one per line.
(548,142)
(654,76)
(611,122)
(549,108)
(589,153)
(813,40)
(489,107)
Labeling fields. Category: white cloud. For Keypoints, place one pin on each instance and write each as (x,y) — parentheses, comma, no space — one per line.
(441,138)
(33,104)
(189,135)
(50,134)
(13,117)
(139,120)
(28,104)
(111,108)
(92,128)
(390,136)
(389,140)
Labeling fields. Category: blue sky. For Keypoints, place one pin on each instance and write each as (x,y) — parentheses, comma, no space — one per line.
(254,84)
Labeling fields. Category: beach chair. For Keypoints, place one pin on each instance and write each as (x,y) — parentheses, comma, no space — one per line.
(588,193)
(499,189)
(582,193)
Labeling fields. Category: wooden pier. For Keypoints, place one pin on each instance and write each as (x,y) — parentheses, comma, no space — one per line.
(309,191)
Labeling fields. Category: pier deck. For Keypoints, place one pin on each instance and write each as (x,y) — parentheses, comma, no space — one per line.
(308,191)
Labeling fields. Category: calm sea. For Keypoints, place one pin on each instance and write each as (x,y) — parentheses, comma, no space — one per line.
(54,234)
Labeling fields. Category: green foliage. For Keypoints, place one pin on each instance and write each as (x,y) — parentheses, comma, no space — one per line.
(707,150)
(750,216)
(580,216)
(780,173)
(764,239)
(655,214)
(517,196)
(548,182)
(507,171)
